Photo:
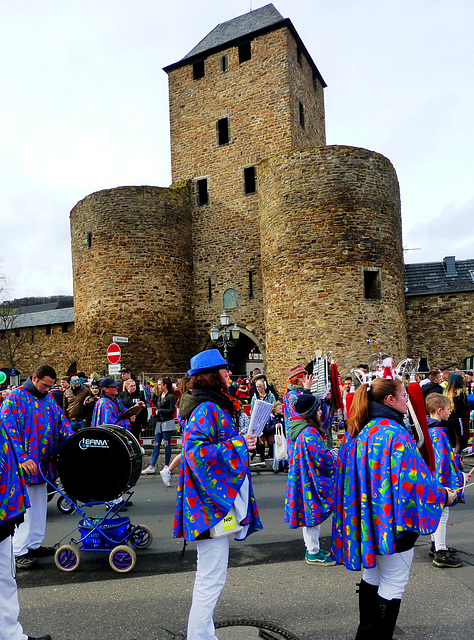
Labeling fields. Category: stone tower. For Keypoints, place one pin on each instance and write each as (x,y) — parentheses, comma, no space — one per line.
(133,277)
(300,242)
(333,264)
(248,91)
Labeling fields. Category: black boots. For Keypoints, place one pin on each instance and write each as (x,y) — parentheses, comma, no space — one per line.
(377,615)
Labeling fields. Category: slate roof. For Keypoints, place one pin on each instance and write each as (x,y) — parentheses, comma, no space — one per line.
(240,29)
(42,318)
(431,278)
(236,28)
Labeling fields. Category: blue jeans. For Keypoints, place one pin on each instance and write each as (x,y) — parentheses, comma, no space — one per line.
(166,437)
(77,424)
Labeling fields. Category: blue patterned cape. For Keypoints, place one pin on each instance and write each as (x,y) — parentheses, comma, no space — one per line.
(310,484)
(38,428)
(214,465)
(383,488)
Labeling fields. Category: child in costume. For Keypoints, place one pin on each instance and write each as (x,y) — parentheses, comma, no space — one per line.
(214,476)
(310,483)
(385,498)
(448,474)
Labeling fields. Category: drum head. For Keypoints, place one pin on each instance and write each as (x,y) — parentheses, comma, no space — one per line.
(97,464)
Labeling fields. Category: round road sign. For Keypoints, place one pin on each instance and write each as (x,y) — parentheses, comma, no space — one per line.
(113,353)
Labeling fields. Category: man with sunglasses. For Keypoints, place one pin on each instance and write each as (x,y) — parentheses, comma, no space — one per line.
(37,428)
(73,401)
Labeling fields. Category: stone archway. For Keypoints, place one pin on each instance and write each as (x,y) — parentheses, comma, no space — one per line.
(238,354)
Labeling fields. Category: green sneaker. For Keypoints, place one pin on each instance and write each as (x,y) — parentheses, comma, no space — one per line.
(319,558)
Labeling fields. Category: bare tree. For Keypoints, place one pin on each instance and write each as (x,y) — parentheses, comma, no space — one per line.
(11,337)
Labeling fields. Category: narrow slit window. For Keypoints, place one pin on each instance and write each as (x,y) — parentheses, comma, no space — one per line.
(65,327)
(49,330)
(209,287)
(250,285)
(89,239)
(202,194)
(250,180)
(299,56)
(245,52)
(222,128)
(301,107)
(224,64)
(372,284)
(198,69)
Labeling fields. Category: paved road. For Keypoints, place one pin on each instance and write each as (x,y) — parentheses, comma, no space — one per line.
(267,581)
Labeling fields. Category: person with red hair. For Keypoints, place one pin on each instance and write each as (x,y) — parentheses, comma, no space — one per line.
(385,498)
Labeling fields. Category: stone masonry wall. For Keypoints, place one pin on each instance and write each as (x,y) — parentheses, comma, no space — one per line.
(326,213)
(257,98)
(136,278)
(440,328)
(37,347)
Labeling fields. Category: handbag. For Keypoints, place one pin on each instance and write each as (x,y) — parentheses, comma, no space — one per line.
(281,451)
(227,526)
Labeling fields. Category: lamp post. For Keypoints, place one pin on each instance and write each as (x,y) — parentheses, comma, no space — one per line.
(225,336)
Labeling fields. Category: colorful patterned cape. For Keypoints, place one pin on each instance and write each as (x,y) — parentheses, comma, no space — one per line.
(107,411)
(38,428)
(13,494)
(214,465)
(448,473)
(310,484)
(383,488)
(289,412)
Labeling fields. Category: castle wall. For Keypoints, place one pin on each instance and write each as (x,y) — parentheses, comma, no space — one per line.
(262,107)
(35,346)
(439,327)
(135,280)
(327,214)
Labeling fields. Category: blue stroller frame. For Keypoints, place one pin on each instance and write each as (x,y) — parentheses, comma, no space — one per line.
(112,532)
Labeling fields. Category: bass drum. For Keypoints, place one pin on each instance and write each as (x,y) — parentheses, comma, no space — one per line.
(98,464)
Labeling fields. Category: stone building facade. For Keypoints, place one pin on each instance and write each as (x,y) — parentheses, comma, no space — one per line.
(299,241)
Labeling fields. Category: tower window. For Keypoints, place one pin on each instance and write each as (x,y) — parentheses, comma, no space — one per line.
(250,180)
(222,128)
(224,64)
(89,239)
(299,57)
(302,114)
(198,69)
(372,284)
(65,327)
(202,195)
(245,52)
(49,330)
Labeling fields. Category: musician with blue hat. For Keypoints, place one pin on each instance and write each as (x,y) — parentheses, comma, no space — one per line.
(215,497)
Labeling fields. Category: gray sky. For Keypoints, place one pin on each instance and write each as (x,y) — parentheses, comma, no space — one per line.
(84,107)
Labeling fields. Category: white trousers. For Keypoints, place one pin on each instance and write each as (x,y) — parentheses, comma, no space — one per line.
(30,533)
(391,574)
(439,536)
(311,538)
(10,628)
(212,560)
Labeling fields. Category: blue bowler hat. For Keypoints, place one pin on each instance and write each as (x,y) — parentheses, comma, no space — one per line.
(206,361)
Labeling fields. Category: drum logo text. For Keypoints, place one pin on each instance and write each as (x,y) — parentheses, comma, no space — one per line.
(86,443)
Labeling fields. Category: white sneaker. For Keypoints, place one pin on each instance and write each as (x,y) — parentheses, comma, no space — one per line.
(165,474)
(148,470)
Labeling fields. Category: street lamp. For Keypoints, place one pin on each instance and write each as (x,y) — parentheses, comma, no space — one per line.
(228,337)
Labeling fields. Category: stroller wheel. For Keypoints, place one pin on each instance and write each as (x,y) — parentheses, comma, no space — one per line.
(122,558)
(67,558)
(64,505)
(141,537)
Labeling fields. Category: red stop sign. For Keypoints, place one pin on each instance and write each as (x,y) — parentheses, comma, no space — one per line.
(113,353)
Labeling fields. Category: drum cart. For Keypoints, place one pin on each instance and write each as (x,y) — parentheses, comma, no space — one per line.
(96,466)
(111,533)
